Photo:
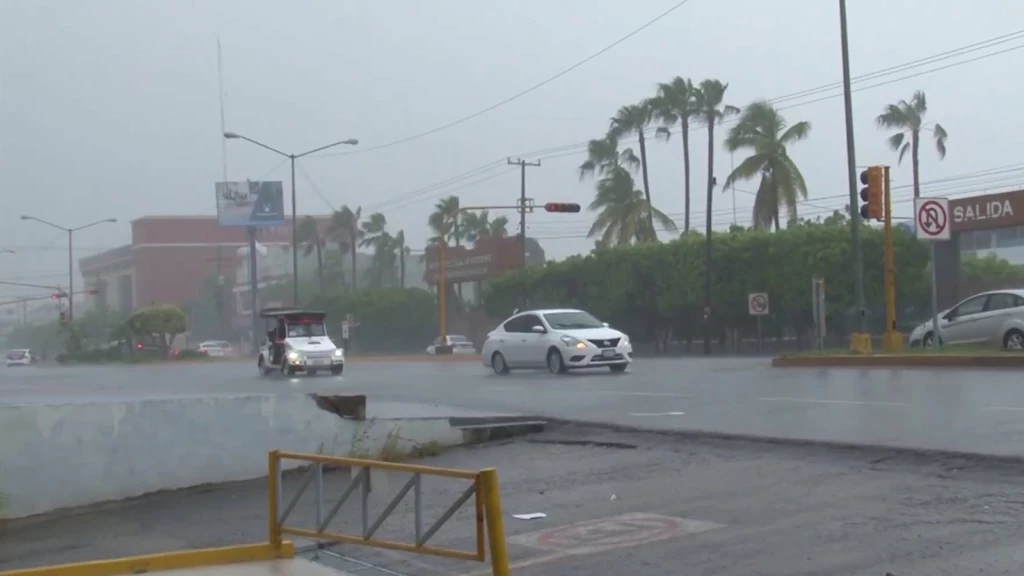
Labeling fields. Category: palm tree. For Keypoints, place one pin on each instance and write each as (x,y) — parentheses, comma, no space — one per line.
(376,236)
(311,240)
(344,229)
(603,155)
(403,251)
(711,111)
(676,103)
(478,225)
(763,131)
(908,117)
(636,118)
(625,214)
(444,221)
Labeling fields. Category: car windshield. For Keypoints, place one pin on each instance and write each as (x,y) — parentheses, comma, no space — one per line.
(16,354)
(571,320)
(305,330)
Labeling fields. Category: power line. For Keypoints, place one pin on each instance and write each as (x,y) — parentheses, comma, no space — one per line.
(514,96)
(574,149)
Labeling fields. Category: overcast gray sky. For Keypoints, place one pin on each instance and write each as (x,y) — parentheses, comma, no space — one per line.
(109,108)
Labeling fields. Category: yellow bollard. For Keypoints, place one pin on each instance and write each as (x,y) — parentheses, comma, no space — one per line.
(860,343)
(495,524)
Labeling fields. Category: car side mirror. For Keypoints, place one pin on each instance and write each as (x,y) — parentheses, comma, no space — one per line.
(538,330)
(605,324)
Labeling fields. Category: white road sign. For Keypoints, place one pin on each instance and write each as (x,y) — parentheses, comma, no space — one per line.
(757,303)
(344,329)
(931,216)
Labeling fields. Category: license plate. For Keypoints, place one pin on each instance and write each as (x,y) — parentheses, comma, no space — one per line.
(321,362)
(608,353)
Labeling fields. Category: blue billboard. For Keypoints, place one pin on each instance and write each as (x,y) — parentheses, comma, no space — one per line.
(248,203)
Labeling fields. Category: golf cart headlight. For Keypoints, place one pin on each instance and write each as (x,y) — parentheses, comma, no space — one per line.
(338,353)
(293,356)
(573,342)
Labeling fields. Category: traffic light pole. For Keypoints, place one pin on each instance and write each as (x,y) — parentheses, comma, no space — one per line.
(892,342)
(442,264)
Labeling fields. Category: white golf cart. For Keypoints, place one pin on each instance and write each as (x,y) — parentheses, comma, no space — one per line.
(296,341)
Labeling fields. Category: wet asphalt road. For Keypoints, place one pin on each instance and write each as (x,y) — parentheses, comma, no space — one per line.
(713,508)
(961,410)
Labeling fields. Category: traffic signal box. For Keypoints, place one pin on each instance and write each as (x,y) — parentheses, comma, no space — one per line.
(561,207)
(873,193)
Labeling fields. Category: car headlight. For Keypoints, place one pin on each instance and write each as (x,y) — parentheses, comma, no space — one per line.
(573,342)
(624,341)
(338,352)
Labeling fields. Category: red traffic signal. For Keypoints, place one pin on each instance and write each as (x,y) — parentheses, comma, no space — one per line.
(873,194)
(92,292)
(561,207)
(53,296)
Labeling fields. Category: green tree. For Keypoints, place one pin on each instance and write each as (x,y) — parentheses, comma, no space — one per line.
(989,269)
(390,320)
(603,155)
(635,118)
(676,103)
(311,240)
(385,249)
(403,252)
(766,134)
(344,230)
(161,322)
(908,119)
(711,110)
(445,221)
(479,225)
(624,214)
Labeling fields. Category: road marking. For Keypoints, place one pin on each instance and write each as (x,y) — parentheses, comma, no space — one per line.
(605,534)
(819,401)
(656,413)
(1005,408)
(656,394)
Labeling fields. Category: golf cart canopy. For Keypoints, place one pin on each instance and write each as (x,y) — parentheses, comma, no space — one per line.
(294,315)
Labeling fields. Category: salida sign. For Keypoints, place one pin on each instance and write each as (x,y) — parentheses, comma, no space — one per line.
(984,212)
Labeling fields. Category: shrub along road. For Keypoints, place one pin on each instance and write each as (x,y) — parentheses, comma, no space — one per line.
(958,410)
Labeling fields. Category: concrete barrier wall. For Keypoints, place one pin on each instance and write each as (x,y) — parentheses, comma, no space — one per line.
(58,456)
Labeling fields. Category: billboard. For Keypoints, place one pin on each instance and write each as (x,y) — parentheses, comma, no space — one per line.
(250,203)
(490,257)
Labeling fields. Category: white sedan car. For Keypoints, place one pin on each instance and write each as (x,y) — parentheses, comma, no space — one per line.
(19,357)
(561,340)
(995,317)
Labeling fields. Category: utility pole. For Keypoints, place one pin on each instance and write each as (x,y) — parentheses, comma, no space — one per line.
(522,198)
(851,172)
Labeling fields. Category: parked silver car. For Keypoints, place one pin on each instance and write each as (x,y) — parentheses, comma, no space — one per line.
(995,317)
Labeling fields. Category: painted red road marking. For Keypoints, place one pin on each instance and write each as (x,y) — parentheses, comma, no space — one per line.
(610,533)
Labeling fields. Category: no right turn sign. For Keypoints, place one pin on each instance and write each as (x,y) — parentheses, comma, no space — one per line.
(757,303)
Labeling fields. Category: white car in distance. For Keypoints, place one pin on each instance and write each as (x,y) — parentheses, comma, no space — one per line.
(19,357)
(989,318)
(459,344)
(559,339)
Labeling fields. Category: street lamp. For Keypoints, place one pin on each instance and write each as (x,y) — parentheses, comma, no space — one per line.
(71,273)
(295,224)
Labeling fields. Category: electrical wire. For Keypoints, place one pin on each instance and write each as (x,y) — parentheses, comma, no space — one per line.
(574,149)
(516,96)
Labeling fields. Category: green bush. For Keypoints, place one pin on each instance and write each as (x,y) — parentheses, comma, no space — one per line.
(390,320)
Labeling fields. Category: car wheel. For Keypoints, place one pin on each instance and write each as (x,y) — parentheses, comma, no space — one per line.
(1014,340)
(556,364)
(617,368)
(336,370)
(928,340)
(498,364)
(262,367)
(311,372)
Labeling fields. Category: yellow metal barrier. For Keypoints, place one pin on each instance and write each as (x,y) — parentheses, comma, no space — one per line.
(483,490)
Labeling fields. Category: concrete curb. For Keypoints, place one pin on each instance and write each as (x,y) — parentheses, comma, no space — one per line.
(995,360)
(877,453)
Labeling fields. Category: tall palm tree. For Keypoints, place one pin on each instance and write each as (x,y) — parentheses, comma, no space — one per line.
(603,155)
(311,240)
(376,236)
(345,231)
(636,118)
(908,118)
(711,110)
(403,251)
(676,103)
(625,214)
(477,225)
(445,222)
(763,131)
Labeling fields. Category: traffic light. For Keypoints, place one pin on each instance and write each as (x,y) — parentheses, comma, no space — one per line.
(92,292)
(561,207)
(873,194)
